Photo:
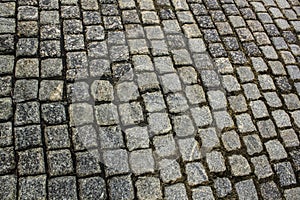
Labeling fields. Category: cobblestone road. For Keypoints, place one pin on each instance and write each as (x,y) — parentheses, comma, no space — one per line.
(149,99)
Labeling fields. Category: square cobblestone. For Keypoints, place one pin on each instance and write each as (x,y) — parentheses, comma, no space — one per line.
(196,173)
(80,114)
(164,146)
(223,186)
(87,163)
(142,161)
(102,90)
(154,101)
(50,48)
(202,116)
(62,188)
(57,137)
(93,187)
(51,90)
(25,90)
(27,113)
(6,64)
(231,140)
(281,118)
(32,187)
(53,113)
(289,138)
(285,173)
(50,31)
(244,123)
(106,114)
(142,63)
(177,103)
(183,126)
(134,113)
(202,193)
(189,149)
(215,161)
(6,134)
(8,187)
(209,138)
(27,46)
(51,67)
(84,137)
(110,137)
(116,162)
(148,188)
(266,128)
(262,167)
(272,99)
(147,81)
(137,137)
(27,13)
(246,190)
(253,144)
(269,190)
(28,136)
(275,150)
(31,162)
(7,163)
(175,191)
(169,170)
(238,103)
(159,128)
(121,187)
(60,162)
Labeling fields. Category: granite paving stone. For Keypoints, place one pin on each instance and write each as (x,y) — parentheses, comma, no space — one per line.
(202,192)
(148,188)
(93,187)
(121,187)
(62,187)
(59,162)
(270,190)
(149,99)
(223,186)
(8,187)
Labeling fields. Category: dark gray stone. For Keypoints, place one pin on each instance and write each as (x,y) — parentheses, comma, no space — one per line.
(6,134)
(27,113)
(31,162)
(121,187)
(28,136)
(8,187)
(60,162)
(27,47)
(246,190)
(7,162)
(92,188)
(25,90)
(269,190)
(110,137)
(57,137)
(53,113)
(87,163)
(223,186)
(32,187)
(285,173)
(62,188)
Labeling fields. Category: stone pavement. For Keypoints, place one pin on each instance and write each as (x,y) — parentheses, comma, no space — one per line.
(149,99)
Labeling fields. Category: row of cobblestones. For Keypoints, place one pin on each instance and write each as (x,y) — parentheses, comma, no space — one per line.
(149,99)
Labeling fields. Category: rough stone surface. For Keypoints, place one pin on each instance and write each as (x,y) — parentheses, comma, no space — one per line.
(149,99)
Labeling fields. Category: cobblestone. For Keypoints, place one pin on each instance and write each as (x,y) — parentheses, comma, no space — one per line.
(164,99)
(148,188)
